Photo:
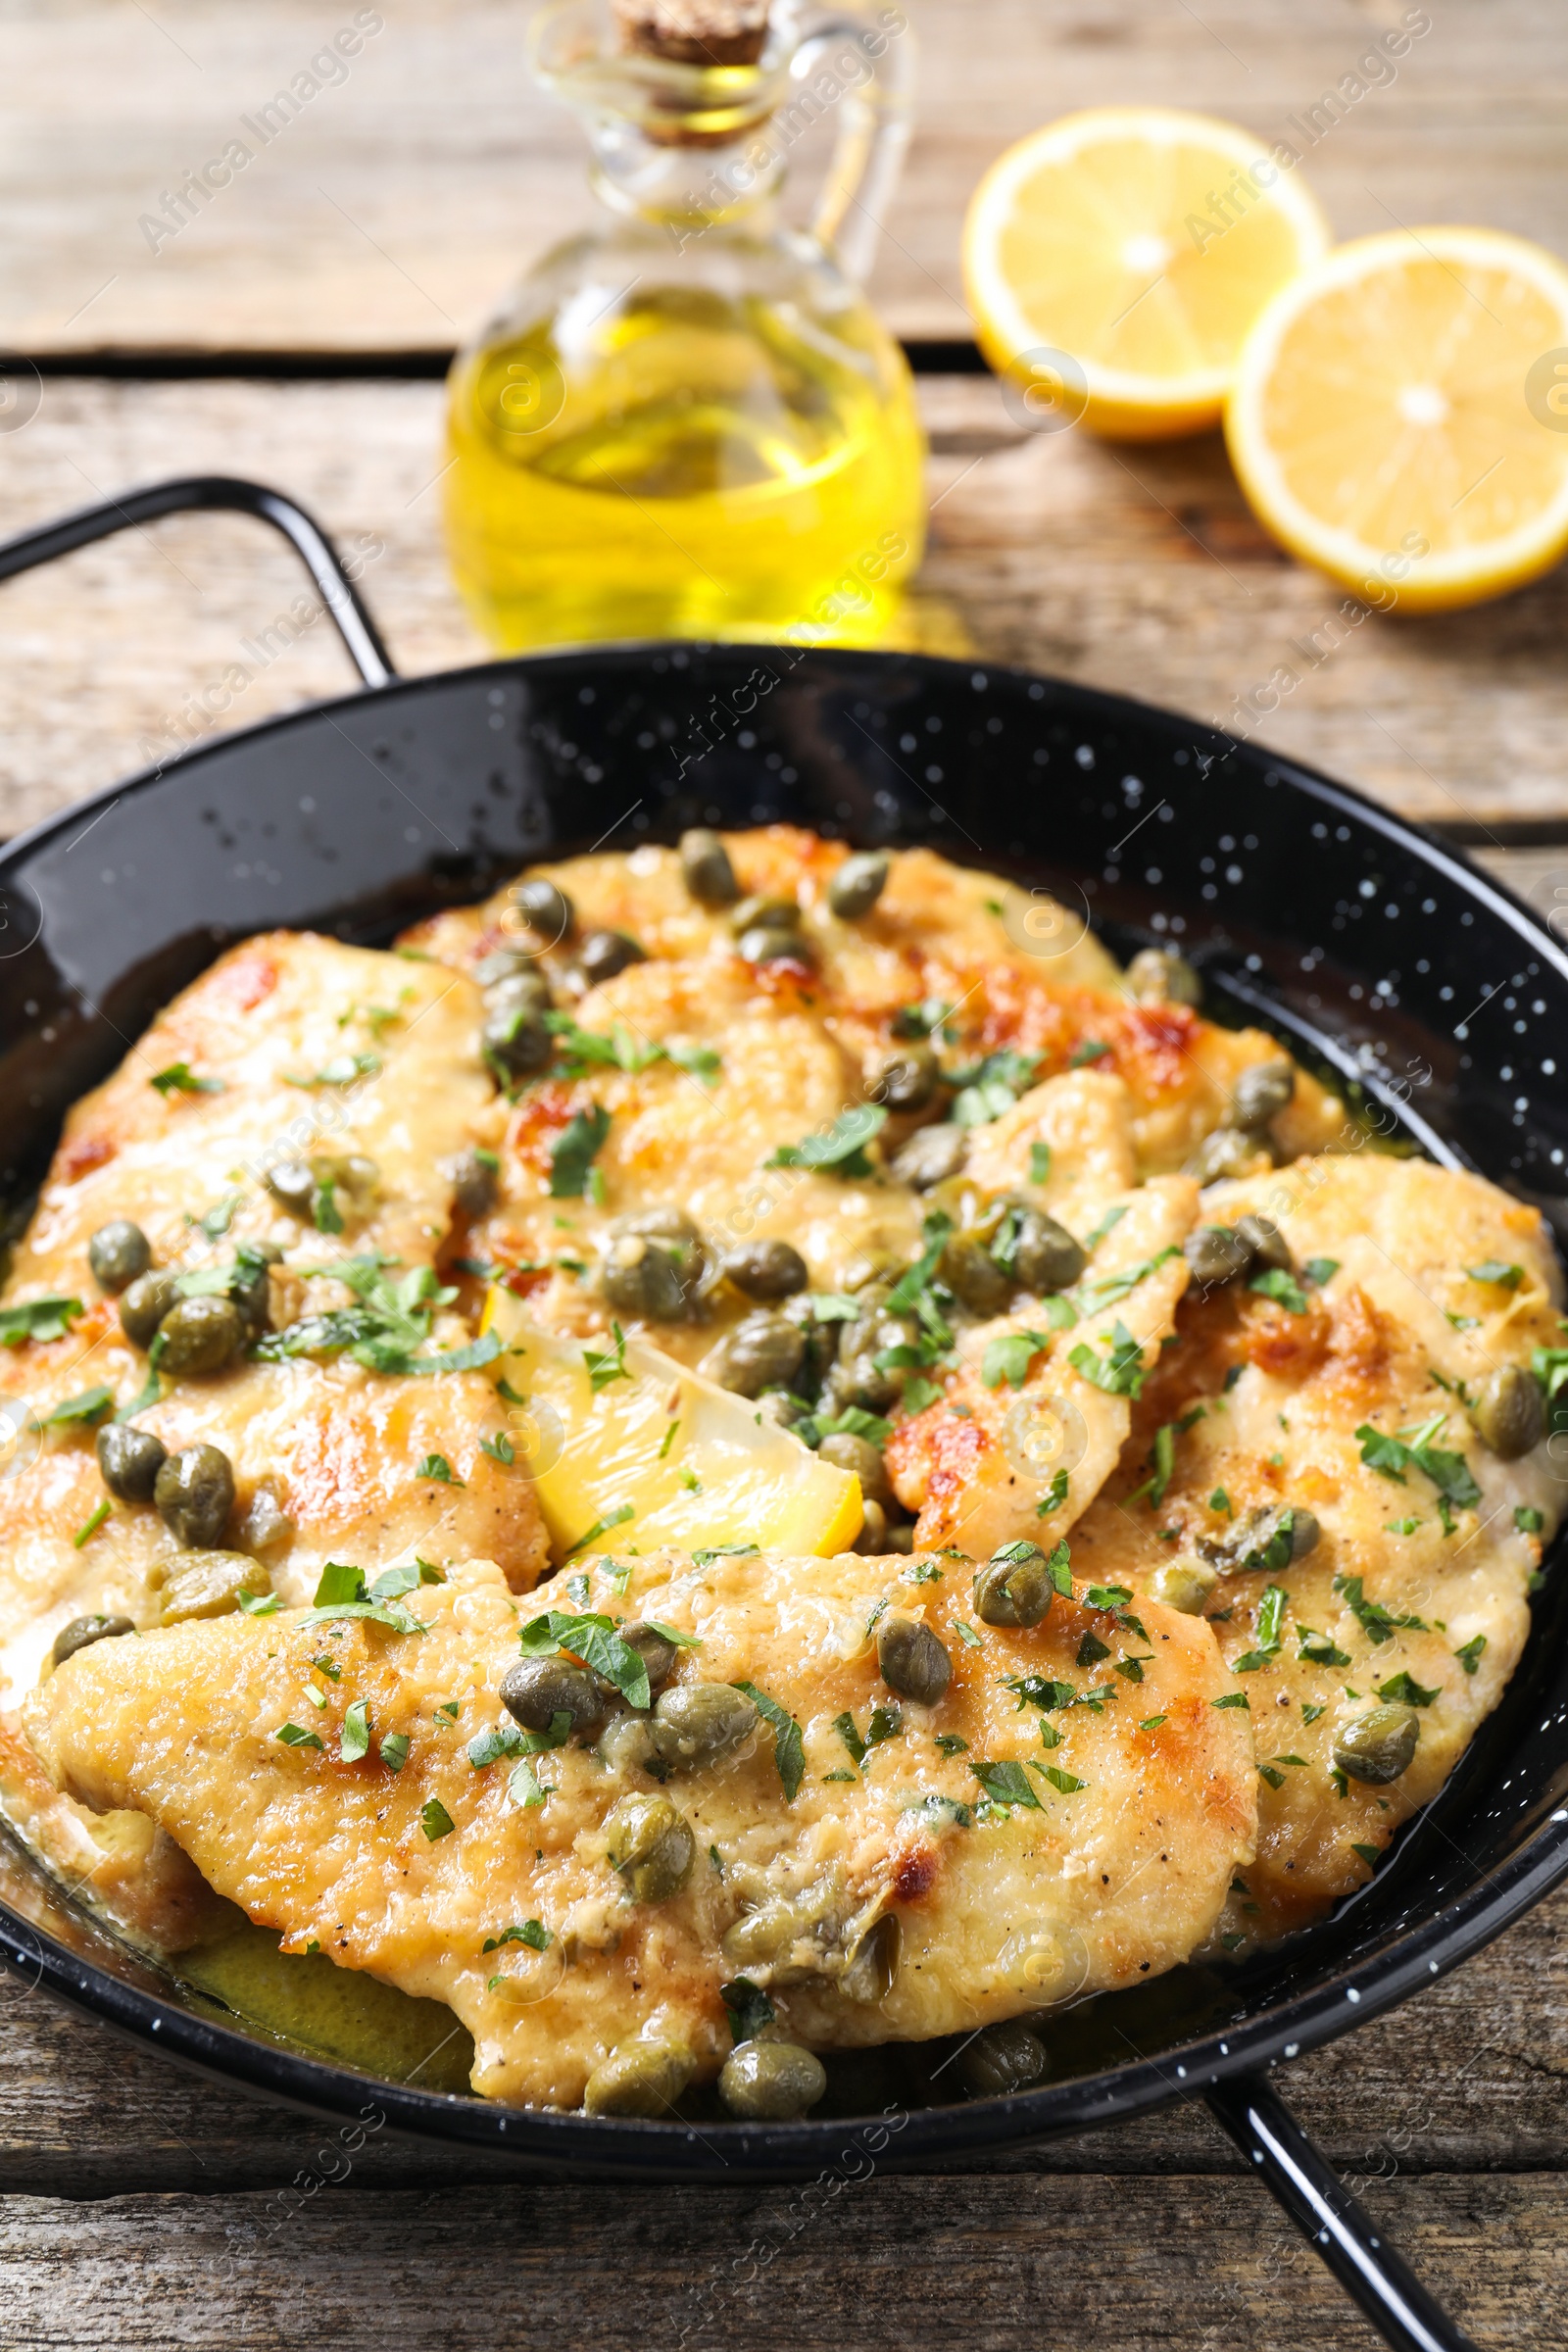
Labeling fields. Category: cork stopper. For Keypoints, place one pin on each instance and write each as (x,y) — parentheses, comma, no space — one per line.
(696,33)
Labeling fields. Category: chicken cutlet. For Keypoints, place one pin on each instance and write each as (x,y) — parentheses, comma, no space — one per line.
(878,1866)
(1341,1465)
(301,1108)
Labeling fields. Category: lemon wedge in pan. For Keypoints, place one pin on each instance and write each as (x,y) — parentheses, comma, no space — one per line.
(628,1451)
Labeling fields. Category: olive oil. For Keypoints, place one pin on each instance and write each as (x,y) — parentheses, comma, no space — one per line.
(688,424)
(715,470)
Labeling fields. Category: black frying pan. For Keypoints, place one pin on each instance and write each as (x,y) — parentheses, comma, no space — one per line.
(1365,944)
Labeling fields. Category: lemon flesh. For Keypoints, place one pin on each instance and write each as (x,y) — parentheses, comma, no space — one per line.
(1116,260)
(1399,417)
(656,1454)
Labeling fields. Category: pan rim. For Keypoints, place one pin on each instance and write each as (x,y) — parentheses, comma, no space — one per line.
(609,2146)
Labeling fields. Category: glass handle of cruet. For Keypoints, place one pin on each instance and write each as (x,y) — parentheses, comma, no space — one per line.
(864,68)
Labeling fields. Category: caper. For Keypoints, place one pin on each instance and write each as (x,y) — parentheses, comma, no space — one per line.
(644,1278)
(546,908)
(129,1460)
(535,1691)
(146,1303)
(1226,1153)
(861,1382)
(1265,1241)
(764,943)
(705,868)
(764,1351)
(652,1846)
(627,1744)
(931,1155)
(1009,1590)
(1217,1253)
(292,1183)
(199,1334)
(1183,1585)
(604,953)
(859,884)
(117,1253)
(771,914)
(1046,1257)
(520,983)
(513,1039)
(782,1407)
(655,1649)
(81,1632)
(873,1539)
(1266,1538)
(697,1723)
(194,1491)
(1304,1531)
(1158,975)
(208,1584)
(973,1275)
(249,1288)
(639,2077)
(771,2081)
(1378,1746)
(298,1182)
(508,963)
(906,1080)
(1001,2059)
(1508,1412)
(912,1660)
(475,1180)
(1262,1091)
(664,1224)
(859,1454)
(818,1340)
(874,1962)
(766,1269)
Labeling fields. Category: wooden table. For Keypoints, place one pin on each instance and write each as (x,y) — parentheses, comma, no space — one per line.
(295,332)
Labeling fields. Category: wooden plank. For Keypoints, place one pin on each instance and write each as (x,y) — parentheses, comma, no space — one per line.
(402,200)
(1468,2076)
(1141,571)
(1105,2264)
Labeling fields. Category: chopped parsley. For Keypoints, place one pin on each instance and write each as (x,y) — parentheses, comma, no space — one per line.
(1055,1496)
(1008,1357)
(90,1527)
(1376,1622)
(434,1820)
(294,1735)
(594,1640)
(747,2007)
(1449,1472)
(89,1407)
(575,1150)
(1527,1519)
(1469,1656)
(987,1088)
(1407,1691)
(181,1079)
(1039,1163)
(789,1752)
(1007,1784)
(720,1551)
(1275,1283)
(841,1148)
(354,1740)
(386,1327)
(1120,1371)
(605,1365)
(394,1750)
(1497,1270)
(1320,1270)
(1093,1049)
(537,1937)
(342,1594)
(342,1070)
(617,1517)
(38,1319)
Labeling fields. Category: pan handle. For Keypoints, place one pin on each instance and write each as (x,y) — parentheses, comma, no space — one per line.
(308,541)
(1323,2209)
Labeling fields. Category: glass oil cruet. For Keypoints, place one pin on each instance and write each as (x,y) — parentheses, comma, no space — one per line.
(689,423)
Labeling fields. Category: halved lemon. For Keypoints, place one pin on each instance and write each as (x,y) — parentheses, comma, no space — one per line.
(1116,260)
(628,1450)
(1400,416)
